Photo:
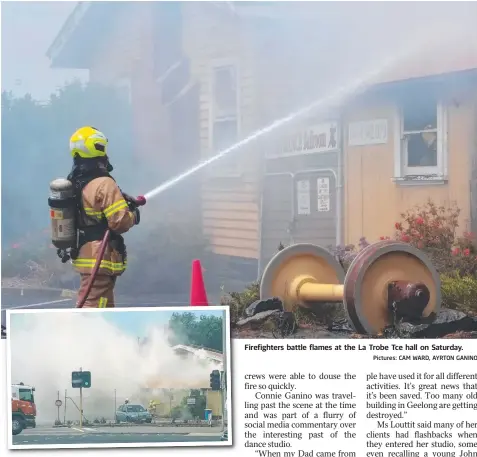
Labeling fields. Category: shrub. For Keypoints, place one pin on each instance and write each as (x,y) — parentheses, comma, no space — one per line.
(239,301)
(433,228)
(346,254)
(459,292)
(429,226)
(464,256)
(33,261)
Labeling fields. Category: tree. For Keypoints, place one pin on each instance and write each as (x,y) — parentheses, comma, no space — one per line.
(34,143)
(205,331)
(198,408)
(35,147)
(185,411)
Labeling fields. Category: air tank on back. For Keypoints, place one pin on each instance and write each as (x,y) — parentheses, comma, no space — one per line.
(62,205)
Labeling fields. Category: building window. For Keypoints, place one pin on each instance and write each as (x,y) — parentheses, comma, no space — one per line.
(225,92)
(224,114)
(421,140)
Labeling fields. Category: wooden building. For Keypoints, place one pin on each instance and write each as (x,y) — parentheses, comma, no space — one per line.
(206,75)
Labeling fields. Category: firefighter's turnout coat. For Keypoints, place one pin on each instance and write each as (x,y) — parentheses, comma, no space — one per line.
(104,205)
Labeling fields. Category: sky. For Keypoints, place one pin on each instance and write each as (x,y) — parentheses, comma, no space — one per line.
(137,323)
(28,29)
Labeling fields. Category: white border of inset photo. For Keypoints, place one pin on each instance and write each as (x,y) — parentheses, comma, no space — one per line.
(181,309)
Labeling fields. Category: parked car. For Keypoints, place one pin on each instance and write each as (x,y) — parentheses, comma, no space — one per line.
(133,414)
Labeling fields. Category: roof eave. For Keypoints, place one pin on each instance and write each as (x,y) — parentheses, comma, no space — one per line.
(56,51)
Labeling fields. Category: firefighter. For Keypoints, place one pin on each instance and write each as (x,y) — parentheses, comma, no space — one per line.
(100,206)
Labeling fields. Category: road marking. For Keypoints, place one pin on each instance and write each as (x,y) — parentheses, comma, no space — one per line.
(77,429)
(164,303)
(39,304)
(205,434)
(68,293)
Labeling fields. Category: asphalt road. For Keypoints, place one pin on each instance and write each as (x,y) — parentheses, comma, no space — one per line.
(53,299)
(115,435)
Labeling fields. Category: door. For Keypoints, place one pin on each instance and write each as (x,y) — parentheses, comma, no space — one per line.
(315,213)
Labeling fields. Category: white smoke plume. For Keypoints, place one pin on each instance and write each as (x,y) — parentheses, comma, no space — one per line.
(47,347)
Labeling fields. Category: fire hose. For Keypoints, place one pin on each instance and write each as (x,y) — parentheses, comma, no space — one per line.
(133,203)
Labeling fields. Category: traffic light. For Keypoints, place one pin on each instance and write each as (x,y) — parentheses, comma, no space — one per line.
(215,380)
(81,379)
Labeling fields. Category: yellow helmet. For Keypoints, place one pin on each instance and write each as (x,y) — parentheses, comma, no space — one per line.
(88,143)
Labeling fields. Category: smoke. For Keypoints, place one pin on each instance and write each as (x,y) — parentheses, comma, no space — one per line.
(47,347)
(288,54)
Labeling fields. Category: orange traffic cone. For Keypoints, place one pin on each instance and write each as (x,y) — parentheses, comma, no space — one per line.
(198,295)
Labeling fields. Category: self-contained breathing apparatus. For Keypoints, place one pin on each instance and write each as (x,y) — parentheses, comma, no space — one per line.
(63,209)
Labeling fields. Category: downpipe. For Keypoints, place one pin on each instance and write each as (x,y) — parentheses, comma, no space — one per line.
(133,204)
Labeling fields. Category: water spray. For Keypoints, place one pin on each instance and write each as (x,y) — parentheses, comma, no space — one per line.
(358,85)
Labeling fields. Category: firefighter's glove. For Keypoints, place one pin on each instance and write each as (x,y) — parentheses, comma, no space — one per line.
(137,216)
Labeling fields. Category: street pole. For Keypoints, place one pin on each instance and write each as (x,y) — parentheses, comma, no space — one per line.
(222,398)
(81,407)
(223,390)
(81,404)
(58,397)
(64,411)
(114,416)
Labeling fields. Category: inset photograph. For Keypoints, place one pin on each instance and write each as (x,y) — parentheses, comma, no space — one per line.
(93,378)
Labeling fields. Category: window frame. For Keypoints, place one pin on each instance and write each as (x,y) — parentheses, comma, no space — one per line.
(403,174)
(233,170)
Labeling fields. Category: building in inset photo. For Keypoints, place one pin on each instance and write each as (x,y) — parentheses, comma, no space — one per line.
(119,377)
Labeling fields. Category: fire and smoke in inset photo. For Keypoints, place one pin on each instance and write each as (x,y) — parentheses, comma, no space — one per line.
(133,355)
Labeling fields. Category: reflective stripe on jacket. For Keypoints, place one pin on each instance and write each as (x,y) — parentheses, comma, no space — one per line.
(102,198)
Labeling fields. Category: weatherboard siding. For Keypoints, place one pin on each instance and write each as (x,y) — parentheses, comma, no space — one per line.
(230,193)
(373,202)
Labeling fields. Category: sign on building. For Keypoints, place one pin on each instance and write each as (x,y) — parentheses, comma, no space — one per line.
(306,140)
(323,189)
(303,197)
(365,133)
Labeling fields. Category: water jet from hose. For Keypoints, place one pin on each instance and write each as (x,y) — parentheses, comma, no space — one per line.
(355,86)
